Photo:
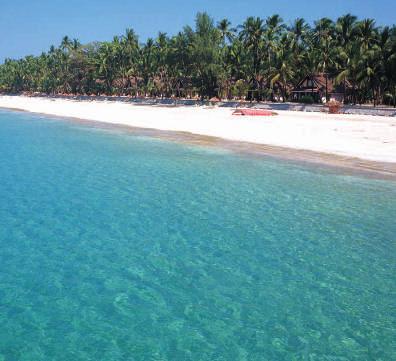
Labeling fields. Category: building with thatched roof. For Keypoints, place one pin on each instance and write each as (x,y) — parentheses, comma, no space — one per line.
(319,87)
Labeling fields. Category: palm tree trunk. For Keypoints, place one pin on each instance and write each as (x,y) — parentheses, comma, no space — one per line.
(327,87)
(374,96)
(394,97)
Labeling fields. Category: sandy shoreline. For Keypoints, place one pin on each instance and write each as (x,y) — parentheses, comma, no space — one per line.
(356,141)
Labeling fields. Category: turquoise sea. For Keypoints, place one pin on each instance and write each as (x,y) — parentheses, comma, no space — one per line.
(115,246)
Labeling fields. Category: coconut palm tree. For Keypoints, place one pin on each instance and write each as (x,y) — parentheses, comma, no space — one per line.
(163,74)
(227,33)
(283,72)
(205,45)
(273,30)
(345,29)
(212,60)
(299,33)
(251,35)
(324,34)
(367,36)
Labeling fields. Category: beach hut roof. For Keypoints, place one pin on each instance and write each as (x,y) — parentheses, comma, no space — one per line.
(317,83)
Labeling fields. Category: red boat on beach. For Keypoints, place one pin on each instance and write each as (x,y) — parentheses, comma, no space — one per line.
(254,112)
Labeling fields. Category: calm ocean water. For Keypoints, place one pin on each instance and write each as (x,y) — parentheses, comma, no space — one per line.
(120,247)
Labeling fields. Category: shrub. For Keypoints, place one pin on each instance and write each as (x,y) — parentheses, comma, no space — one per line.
(240,89)
(307,99)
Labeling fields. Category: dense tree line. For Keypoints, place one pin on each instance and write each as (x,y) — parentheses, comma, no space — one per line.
(261,59)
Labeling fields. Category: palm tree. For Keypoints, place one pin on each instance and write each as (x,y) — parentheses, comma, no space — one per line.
(273,31)
(345,29)
(283,70)
(366,33)
(179,62)
(299,33)
(251,34)
(324,41)
(227,33)
(391,65)
(162,45)
(346,59)
(299,29)
(148,65)
(219,60)
(205,55)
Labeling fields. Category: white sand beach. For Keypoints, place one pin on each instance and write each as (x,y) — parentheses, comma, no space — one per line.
(358,136)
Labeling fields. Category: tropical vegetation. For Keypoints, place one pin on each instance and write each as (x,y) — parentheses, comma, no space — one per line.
(261,59)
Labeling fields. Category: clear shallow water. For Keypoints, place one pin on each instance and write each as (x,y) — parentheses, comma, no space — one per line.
(117,247)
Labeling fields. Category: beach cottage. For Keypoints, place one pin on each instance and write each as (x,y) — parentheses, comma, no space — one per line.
(319,87)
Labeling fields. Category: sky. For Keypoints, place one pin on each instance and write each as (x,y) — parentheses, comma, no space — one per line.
(32,26)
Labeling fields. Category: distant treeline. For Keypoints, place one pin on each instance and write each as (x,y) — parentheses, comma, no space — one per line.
(261,59)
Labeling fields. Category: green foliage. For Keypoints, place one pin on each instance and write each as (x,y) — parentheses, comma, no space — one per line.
(240,89)
(260,59)
(307,99)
